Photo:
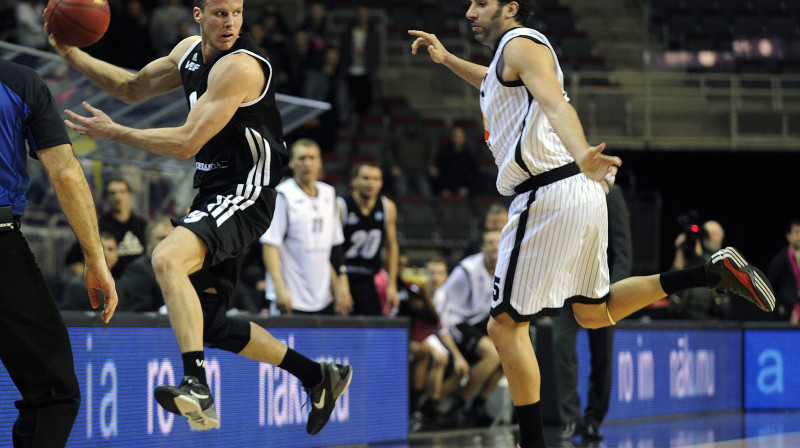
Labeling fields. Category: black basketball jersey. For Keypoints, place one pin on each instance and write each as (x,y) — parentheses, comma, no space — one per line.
(363,236)
(250,150)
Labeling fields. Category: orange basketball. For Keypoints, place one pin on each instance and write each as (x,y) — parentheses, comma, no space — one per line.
(77,22)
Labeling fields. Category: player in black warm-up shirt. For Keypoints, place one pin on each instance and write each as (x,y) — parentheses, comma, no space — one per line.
(369,223)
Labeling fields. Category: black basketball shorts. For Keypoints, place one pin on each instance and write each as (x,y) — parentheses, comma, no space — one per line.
(230,221)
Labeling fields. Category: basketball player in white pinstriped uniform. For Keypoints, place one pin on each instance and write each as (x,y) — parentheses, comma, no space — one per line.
(553,249)
(234,132)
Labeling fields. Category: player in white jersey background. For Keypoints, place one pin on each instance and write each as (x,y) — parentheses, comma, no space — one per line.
(304,233)
(553,249)
(463,306)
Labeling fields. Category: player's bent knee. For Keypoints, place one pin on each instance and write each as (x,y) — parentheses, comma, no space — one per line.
(417,350)
(160,262)
(591,316)
(500,328)
(440,360)
(495,330)
(165,265)
(232,335)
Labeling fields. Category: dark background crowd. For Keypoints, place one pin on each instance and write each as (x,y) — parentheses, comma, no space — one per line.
(433,166)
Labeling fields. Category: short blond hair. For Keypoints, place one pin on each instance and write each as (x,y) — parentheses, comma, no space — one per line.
(303,143)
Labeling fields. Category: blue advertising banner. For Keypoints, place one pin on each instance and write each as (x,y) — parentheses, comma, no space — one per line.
(258,404)
(659,372)
(772,369)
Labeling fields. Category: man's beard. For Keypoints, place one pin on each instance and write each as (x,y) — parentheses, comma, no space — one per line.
(487,31)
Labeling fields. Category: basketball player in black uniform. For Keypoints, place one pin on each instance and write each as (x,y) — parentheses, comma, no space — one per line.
(234,132)
(369,222)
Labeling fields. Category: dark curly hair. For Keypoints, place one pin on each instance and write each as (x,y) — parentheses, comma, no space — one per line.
(526,9)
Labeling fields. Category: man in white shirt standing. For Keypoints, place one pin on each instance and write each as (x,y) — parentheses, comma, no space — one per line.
(302,247)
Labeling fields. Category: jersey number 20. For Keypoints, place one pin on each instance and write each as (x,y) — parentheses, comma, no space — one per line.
(364,244)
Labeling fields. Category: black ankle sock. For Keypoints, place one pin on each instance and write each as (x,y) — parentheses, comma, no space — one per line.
(531,432)
(693,277)
(306,370)
(194,365)
(415,396)
(431,407)
(477,402)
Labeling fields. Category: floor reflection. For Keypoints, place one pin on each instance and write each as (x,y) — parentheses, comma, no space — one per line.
(727,430)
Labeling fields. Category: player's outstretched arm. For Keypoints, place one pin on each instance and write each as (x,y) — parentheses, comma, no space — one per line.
(534,65)
(469,71)
(72,191)
(156,78)
(233,80)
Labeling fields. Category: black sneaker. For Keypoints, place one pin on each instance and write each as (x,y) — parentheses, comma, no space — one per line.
(477,417)
(191,400)
(335,380)
(416,421)
(592,432)
(568,431)
(737,276)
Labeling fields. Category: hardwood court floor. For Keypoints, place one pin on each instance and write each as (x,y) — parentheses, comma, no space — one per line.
(723,430)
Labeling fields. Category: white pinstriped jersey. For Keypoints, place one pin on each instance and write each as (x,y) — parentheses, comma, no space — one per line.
(518,132)
(305,228)
(465,296)
(554,245)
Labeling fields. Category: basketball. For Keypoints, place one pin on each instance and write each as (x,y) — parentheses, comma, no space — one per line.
(77,22)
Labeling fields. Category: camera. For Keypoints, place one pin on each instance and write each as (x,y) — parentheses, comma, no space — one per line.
(690,227)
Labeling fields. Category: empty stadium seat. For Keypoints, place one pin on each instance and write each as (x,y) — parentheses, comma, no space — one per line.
(417,219)
(455,217)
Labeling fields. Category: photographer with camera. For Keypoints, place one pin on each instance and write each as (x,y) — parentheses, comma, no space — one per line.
(694,245)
